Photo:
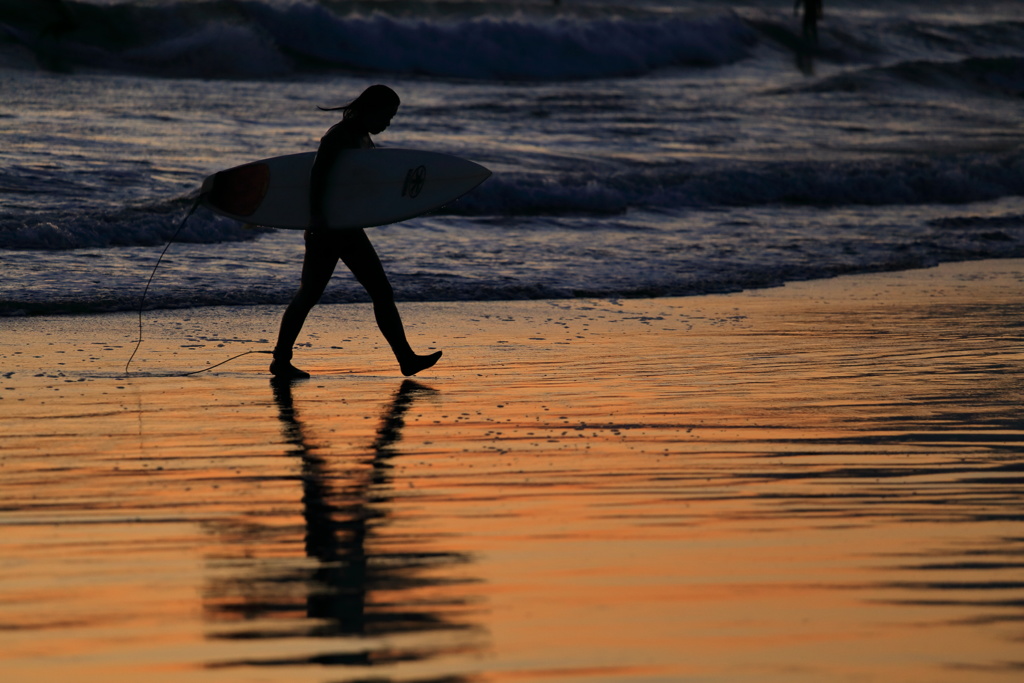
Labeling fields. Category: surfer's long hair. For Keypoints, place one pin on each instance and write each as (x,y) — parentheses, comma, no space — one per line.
(375,97)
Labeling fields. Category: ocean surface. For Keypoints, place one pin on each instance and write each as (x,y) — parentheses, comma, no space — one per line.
(643,148)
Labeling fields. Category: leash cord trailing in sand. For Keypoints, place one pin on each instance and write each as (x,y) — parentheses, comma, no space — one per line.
(196,372)
(145,291)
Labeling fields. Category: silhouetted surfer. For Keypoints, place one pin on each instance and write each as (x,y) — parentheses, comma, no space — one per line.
(370,113)
(813,11)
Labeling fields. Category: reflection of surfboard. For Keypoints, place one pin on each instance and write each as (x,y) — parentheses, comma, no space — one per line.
(366,187)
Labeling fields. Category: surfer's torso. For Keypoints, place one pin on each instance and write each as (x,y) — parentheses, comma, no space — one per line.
(346,134)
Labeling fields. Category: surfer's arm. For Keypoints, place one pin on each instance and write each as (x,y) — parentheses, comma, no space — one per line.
(326,155)
(318,187)
(338,138)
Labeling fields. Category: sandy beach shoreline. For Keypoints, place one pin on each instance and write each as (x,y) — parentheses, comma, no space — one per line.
(814,482)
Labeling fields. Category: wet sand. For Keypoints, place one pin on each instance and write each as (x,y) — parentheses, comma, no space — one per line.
(820,482)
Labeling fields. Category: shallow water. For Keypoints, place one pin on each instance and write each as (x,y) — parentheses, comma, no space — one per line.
(664,147)
(603,491)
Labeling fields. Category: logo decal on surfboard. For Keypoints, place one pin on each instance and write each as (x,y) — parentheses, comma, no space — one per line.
(415,179)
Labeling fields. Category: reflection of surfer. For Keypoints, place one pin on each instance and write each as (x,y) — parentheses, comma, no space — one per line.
(813,11)
(371,599)
(370,113)
(338,524)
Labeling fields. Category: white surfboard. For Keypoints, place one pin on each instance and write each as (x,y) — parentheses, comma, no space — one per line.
(366,187)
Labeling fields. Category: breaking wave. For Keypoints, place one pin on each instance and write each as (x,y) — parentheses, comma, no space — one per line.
(265,38)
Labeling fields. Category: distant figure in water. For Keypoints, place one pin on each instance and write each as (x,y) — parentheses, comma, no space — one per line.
(370,113)
(813,11)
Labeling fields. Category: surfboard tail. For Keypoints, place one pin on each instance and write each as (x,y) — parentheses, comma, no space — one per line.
(237,191)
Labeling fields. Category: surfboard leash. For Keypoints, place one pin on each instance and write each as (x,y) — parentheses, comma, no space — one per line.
(246,353)
(145,291)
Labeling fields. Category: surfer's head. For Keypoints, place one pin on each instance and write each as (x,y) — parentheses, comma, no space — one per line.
(374,108)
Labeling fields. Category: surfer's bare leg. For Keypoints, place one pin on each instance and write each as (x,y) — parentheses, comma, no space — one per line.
(317,268)
(361,258)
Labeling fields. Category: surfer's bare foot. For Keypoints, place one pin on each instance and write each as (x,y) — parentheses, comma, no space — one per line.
(415,363)
(283,369)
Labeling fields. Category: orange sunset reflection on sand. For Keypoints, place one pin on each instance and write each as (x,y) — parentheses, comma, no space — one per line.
(812,483)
